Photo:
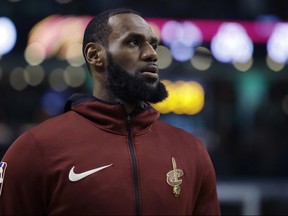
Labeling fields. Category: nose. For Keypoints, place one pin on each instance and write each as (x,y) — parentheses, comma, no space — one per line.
(149,53)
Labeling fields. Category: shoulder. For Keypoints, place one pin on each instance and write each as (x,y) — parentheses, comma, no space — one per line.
(46,130)
(183,145)
(178,137)
(57,125)
(56,121)
(175,131)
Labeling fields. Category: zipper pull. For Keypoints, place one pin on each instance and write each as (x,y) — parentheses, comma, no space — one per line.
(128,118)
(128,123)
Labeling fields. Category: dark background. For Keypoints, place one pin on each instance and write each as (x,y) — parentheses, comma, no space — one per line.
(245,146)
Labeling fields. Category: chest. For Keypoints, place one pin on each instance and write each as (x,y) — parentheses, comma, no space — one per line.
(108,173)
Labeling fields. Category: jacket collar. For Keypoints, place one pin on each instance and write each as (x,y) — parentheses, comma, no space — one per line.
(111,117)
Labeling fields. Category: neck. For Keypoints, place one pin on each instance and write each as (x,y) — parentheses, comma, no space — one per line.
(129,108)
(105,96)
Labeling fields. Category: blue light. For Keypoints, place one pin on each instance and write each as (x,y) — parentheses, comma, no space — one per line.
(53,103)
(181,50)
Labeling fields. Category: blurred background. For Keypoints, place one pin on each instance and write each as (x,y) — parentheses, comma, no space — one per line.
(223,62)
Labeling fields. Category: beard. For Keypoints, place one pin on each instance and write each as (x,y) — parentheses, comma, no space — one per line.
(130,88)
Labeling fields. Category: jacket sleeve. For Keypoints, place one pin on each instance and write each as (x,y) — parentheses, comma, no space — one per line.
(207,200)
(23,185)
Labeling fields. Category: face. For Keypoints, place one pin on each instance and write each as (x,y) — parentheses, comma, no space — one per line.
(132,60)
(130,88)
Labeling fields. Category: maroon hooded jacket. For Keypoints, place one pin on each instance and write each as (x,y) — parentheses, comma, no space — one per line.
(96,160)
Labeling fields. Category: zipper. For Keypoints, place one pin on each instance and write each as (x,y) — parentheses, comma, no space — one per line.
(134,165)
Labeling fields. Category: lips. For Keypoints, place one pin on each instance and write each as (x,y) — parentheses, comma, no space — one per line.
(150,73)
(150,69)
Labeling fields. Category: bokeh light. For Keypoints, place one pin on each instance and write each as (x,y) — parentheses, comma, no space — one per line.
(17,79)
(169,31)
(274,66)
(155,30)
(34,75)
(56,80)
(56,34)
(74,76)
(277,45)
(74,55)
(184,98)
(181,38)
(34,53)
(164,57)
(52,103)
(8,35)
(243,66)
(232,44)
(202,59)
(182,50)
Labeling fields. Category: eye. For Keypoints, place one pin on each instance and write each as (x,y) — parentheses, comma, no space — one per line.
(154,45)
(135,42)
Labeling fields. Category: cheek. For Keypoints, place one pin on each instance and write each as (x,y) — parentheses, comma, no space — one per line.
(127,63)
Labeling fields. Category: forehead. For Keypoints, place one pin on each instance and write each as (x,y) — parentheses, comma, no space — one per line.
(123,24)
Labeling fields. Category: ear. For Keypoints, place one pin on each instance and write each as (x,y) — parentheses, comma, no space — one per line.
(95,55)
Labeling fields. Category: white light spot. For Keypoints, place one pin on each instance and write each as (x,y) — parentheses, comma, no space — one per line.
(34,53)
(277,45)
(232,44)
(8,35)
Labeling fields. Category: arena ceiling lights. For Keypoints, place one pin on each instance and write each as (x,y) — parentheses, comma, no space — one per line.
(230,41)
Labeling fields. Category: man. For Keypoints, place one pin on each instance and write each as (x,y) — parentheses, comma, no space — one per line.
(109,154)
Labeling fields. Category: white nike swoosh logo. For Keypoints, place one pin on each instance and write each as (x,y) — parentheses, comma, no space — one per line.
(78,176)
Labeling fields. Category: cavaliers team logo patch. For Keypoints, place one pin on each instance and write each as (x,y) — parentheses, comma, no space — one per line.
(3,166)
(173,178)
